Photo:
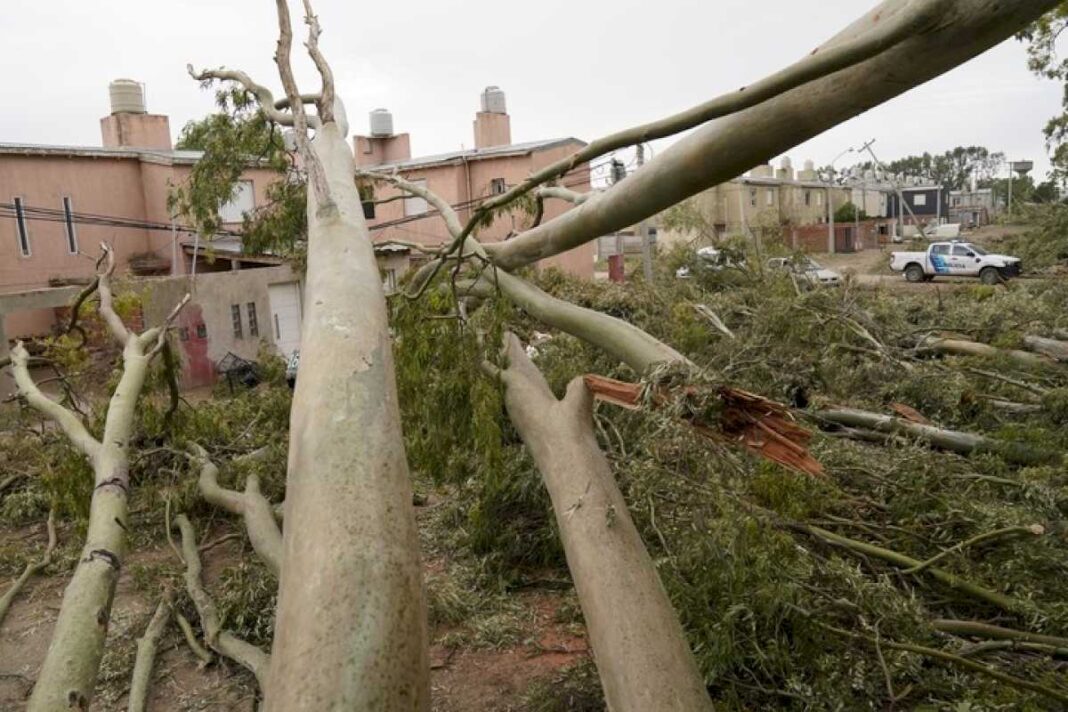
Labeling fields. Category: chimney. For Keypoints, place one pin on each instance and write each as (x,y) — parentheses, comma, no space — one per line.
(382,145)
(130,125)
(493,127)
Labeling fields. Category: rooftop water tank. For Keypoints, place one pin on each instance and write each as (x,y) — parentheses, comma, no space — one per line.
(381,123)
(127,97)
(810,166)
(785,163)
(493,100)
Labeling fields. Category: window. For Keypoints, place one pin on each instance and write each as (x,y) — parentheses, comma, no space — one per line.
(235,317)
(919,200)
(21,229)
(367,200)
(183,333)
(498,186)
(68,223)
(940,250)
(808,197)
(253,325)
(242,201)
(202,330)
(752,197)
(956,201)
(962,251)
(769,197)
(819,198)
(389,281)
(413,204)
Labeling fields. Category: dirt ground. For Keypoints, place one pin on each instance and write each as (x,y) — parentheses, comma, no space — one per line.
(462,679)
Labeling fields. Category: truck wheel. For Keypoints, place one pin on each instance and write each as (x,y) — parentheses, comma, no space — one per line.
(914,273)
(990,275)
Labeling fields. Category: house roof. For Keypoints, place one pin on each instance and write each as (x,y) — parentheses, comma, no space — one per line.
(150,155)
(475,154)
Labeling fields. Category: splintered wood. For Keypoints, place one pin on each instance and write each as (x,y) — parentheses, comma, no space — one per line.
(757,424)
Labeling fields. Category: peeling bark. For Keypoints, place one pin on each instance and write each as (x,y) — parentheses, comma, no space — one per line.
(642,655)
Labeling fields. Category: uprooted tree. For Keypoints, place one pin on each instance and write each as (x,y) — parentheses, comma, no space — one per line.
(350,623)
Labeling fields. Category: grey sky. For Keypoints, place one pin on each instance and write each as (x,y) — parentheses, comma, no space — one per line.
(581,68)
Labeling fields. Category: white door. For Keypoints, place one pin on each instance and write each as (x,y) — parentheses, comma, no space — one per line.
(285,316)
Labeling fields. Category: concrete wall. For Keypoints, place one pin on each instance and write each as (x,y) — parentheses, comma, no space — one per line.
(211,306)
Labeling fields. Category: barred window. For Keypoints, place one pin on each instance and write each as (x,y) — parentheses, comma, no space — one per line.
(253,325)
(235,315)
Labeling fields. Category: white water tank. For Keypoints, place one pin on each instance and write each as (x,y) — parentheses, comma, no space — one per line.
(785,163)
(810,166)
(127,97)
(381,123)
(493,100)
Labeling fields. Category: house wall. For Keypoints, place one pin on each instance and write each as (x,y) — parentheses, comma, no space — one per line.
(460,182)
(211,305)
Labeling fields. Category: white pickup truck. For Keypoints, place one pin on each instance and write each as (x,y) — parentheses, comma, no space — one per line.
(954,259)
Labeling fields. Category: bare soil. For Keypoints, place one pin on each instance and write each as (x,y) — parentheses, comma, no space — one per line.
(462,679)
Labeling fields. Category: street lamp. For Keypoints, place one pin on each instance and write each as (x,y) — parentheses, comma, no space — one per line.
(830,201)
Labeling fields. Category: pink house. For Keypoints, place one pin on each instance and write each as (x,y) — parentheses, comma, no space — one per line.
(58,203)
(464,178)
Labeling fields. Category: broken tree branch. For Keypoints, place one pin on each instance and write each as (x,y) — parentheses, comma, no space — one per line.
(975,629)
(221,641)
(952,440)
(263,95)
(1048,347)
(1033,530)
(998,600)
(32,569)
(141,679)
(251,505)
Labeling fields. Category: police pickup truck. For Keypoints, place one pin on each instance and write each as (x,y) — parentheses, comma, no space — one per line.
(955,259)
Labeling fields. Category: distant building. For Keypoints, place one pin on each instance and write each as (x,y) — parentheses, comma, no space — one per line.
(921,205)
(777,200)
(977,206)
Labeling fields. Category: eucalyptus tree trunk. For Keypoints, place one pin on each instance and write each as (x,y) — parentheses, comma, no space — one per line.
(948,33)
(642,656)
(350,632)
(68,675)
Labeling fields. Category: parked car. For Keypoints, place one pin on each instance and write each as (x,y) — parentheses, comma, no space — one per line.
(713,259)
(955,259)
(807,269)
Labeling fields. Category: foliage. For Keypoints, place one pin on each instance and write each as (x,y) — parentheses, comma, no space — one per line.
(848,212)
(1045,243)
(236,137)
(1043,60)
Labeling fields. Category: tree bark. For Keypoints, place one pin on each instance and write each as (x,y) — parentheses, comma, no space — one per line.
(1048,347)
(727,147)
(141,679)
(642,656)
(963,347)
(952,440)
(350,632)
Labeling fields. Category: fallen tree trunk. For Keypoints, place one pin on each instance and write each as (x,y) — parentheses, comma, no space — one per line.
(962,347)
(952,440)
(1048,347)
(727,147)
(642,656)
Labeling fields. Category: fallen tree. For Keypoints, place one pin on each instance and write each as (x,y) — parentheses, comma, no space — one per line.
(68,675)
(952,440)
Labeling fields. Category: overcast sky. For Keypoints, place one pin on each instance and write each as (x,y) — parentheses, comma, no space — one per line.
(579,67)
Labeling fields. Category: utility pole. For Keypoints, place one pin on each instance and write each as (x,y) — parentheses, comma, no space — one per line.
(830,201)
(643,229)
